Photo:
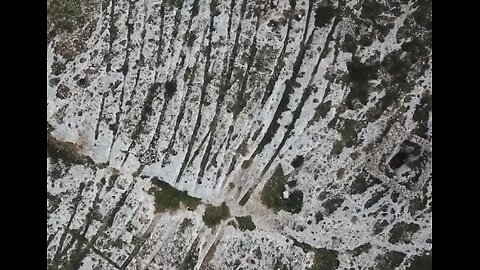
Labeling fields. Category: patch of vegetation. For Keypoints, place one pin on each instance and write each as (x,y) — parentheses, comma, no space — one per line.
(332,204)
(321,112)
(422,115)
(292,184)
(325,259)
(367,39)
(421,262)
(195,8)
(394,197)
(417,204)
(215,8)
(247,163)
(341,173)
(372,9)
(243,148)
(350,44)
(361,72)
(402,232)
(298,161)
(365,248)
(294,203)
(359,185)
(416,50)
(318,217)
(360,75)
(169,198)
(66,16)
(325,14)
(170,89)
(398,68)
(258,253)
(380,226)
(246,223)
(56,171)
(389,260)
(304,246)
(272,194)
(58,67)
(350,131)
(215,215)
(375,198)
(390,97)
(187,222)
(337,148)
(423,13)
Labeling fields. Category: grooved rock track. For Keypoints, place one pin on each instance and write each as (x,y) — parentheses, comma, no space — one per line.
(242,134)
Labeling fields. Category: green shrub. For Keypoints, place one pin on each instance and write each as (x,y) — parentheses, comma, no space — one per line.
(169,198)
(214,215)
(246,223)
